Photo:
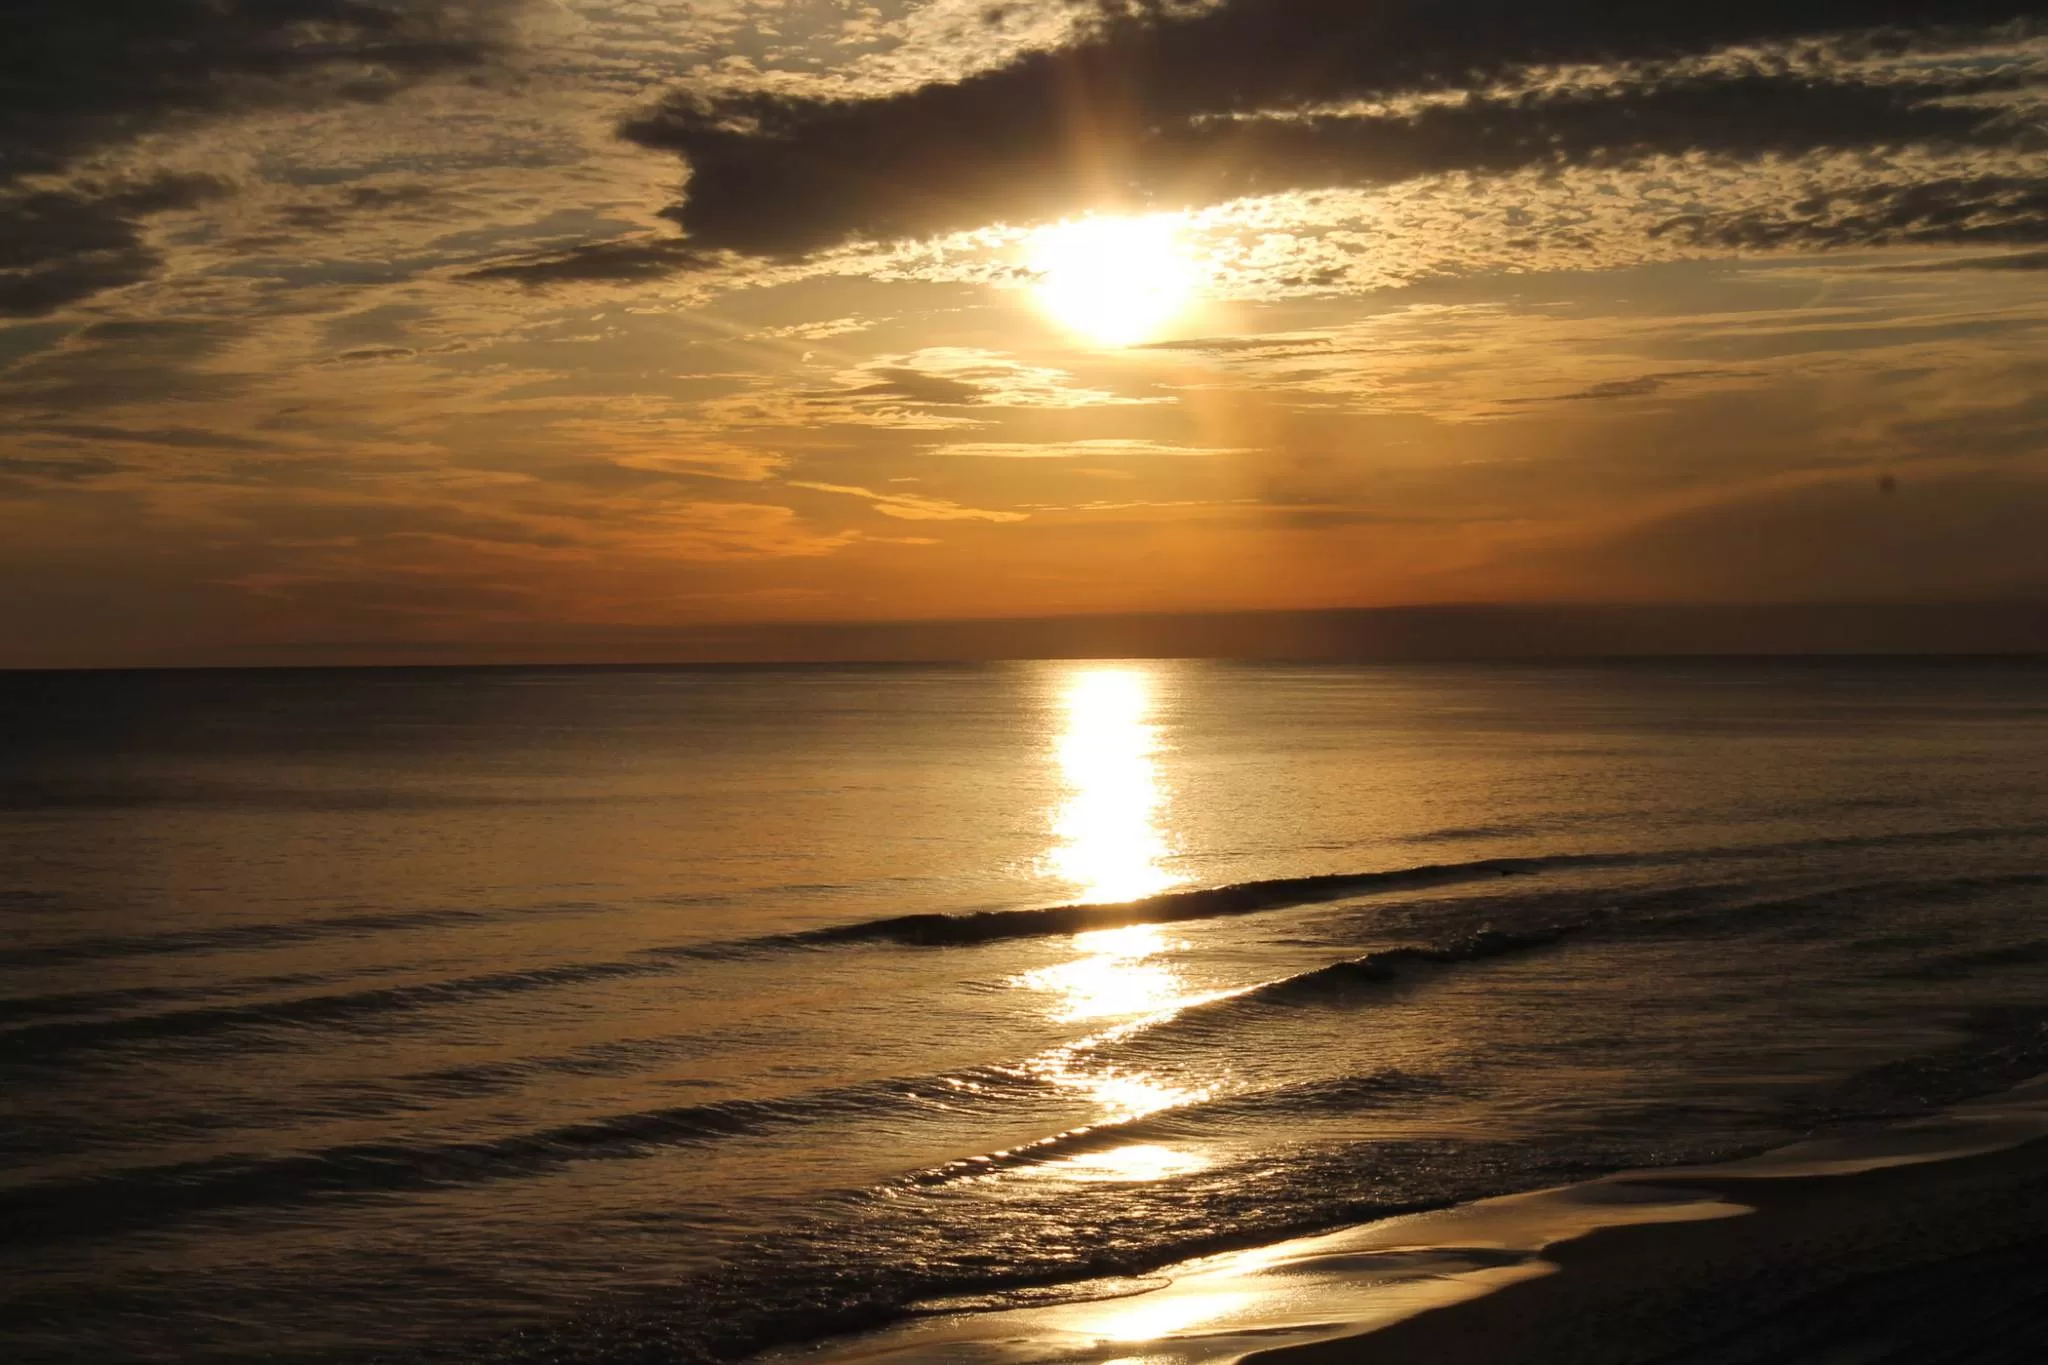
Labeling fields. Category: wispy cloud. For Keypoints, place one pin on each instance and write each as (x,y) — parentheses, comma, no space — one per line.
(1097,449)
(912,506)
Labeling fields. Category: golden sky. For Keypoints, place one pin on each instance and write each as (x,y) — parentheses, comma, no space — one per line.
(356,328)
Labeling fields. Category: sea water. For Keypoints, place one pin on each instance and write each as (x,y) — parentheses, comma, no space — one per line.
(623,1014)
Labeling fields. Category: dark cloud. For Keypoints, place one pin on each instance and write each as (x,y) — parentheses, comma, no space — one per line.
(912,386)
(617,262)
(1270,345)
(1174,111)
(60,246)
(109,364)
(76,76)
(2019,260)
(358,200)
(1990,209)
(175,438)
(893,390)
(71,469)
(1640,386)
(1750,115)
(368,353)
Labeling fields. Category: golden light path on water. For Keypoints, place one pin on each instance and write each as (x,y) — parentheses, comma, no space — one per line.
(1111,844)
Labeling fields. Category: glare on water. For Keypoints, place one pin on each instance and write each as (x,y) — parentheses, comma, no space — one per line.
(1119,974)
(1139,1161)
(1110,846)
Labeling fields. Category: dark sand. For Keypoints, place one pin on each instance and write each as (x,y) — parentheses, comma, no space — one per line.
(1944,1261)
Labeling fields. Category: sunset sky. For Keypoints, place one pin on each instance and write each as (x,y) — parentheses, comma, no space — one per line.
(353,329)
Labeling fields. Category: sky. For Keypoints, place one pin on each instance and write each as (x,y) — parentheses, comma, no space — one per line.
(360,330)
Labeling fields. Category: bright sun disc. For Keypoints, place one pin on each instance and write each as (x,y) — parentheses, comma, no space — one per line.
(1115,281)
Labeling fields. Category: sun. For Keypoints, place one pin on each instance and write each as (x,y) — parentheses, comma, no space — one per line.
(1114,281)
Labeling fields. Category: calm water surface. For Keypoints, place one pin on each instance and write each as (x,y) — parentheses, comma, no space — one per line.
(626,1014)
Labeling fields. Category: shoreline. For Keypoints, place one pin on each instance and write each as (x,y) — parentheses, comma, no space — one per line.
(1916,1242)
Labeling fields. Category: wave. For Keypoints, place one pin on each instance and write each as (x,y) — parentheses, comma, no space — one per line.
(1457,832)
(938,929)
(234,936)
(1241,898)
(43,793)
(1357,980)
(1335,983)
(40,1041)
(1956,965)
(35,1041)
(145,1196)
(1324,1097)
(43,1038)
(965,929)
(1816,914)
(1375,969)
(57,1004)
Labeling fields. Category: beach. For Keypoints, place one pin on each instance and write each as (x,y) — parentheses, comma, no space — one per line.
(1935,1260)
(1916,1242)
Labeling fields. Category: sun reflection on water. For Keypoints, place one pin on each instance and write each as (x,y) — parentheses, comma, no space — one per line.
(1111,847)
(1140,1161)
(1118,975)
(1121,976)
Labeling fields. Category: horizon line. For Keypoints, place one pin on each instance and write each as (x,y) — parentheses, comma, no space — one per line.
(1440,632)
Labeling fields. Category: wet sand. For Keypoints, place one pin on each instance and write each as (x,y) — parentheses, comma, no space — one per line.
(1936,1261)
(1922,1242)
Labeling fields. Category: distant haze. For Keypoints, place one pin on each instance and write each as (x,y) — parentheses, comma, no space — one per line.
(1397,633)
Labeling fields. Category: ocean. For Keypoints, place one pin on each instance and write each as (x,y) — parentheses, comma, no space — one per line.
(684,1014)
